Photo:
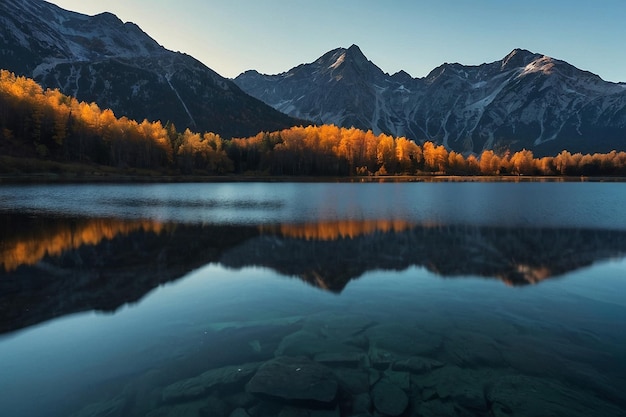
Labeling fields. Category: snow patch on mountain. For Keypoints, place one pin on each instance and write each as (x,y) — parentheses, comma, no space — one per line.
(544,65)
(168,78)
(338,62)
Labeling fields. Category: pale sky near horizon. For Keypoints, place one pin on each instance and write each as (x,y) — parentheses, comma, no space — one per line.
(272,36)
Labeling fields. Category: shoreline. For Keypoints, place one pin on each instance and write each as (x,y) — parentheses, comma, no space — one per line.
(97,178)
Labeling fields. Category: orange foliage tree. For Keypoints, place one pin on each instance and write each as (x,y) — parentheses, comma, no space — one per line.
(34,122)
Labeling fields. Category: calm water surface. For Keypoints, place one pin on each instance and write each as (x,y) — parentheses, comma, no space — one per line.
(410,299)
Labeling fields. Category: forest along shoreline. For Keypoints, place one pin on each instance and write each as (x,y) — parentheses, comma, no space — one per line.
(47,136)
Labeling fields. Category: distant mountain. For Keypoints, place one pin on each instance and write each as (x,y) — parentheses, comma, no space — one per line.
(525,100)
(99,58)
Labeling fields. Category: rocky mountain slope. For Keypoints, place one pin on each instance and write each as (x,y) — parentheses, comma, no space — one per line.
(115,64)
(525,100)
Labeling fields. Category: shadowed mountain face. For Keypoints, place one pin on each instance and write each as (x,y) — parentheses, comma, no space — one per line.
(101,59)
(526,100)
(50,267)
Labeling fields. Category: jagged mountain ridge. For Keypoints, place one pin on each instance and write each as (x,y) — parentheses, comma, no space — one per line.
(115,64)
(525,100)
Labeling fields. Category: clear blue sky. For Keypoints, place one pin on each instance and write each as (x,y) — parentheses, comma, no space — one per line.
(272,36)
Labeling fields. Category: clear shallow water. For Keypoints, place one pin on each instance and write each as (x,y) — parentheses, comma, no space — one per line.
(387,299)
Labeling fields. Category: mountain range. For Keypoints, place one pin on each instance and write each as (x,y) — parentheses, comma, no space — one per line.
(525,100)
(101,59)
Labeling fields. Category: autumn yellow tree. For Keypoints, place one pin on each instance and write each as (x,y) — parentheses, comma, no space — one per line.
(522,162)
(408,155)
(435,157)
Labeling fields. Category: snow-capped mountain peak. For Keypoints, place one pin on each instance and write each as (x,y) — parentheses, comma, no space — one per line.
(526,100)
(518,58)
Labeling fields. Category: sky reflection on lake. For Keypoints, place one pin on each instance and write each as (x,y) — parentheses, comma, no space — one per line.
(592,205)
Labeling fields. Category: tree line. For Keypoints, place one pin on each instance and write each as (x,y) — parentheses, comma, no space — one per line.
(49,125)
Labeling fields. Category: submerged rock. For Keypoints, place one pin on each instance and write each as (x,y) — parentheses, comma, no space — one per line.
(110,408)
(325,413)
(400,379)
(241,399)
(361,403)
(374,376)
(403,339)
(435,408)
(465,387)
(239,412)
(473,349)
(382,359)
(417,365)
(389,399)
(303,412)
(200,385)
(265,408)
(294,379)
(338,326)
(353,381)
(306,343)
(214,407)
(519,395)
(347,359)
(191,409)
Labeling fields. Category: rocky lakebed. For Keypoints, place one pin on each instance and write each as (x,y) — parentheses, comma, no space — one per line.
(331,365)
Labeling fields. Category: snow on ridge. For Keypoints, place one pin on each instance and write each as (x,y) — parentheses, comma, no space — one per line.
(338,62)
(543,65)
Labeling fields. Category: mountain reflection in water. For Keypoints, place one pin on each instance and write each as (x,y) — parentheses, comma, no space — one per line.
(54,266)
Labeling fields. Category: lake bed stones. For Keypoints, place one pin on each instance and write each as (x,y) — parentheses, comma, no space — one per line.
(306,343)
(349,358)
(473,349)
(353,381)
(200,385)
(403,339)
(294,380)
(520,395)
(417,365)
(389,399)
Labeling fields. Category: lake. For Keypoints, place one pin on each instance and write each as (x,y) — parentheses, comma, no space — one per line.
(313,299)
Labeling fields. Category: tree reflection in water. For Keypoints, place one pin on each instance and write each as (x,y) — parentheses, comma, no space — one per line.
(54,266)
